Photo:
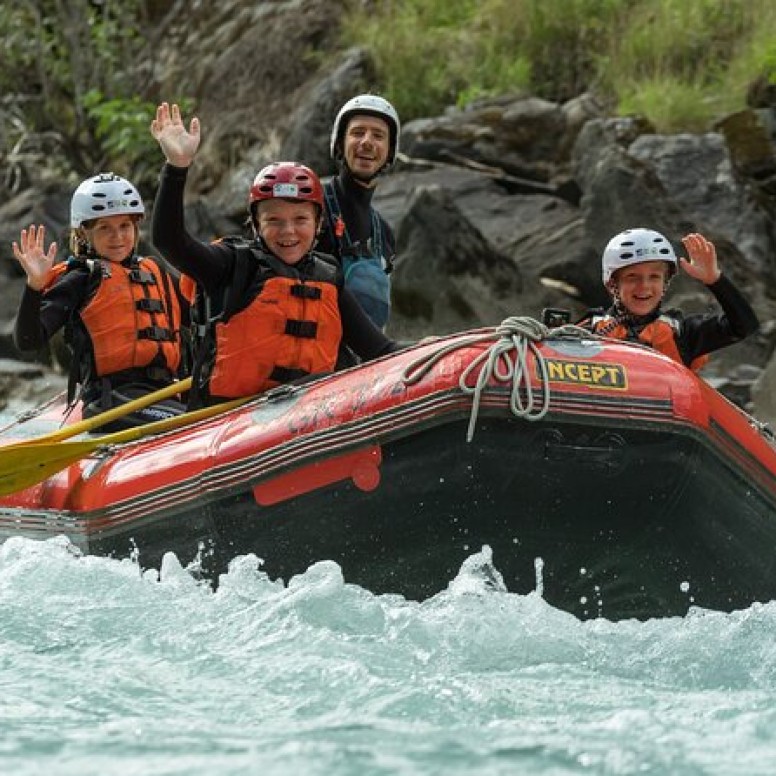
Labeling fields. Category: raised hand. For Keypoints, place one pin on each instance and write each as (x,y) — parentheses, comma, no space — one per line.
(702,264)
(178,143)
(34,260)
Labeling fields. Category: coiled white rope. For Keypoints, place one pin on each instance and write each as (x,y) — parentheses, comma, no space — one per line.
(518,334)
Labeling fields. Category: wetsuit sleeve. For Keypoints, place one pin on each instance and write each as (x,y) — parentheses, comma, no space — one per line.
(40,315)
(703,334)
(210,264)
(358,331)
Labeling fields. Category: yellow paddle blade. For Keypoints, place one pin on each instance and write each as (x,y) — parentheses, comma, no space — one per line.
(23,465)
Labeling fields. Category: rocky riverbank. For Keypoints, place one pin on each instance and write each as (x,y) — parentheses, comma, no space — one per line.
(500,209)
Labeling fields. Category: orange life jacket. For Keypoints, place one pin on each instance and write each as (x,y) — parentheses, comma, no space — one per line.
(290,329)
(270,324)
(659,334)
(132,318)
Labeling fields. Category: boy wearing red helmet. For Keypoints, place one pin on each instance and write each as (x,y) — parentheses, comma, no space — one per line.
(282,308)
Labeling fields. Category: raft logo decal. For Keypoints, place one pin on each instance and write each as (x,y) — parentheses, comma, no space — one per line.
(592,373)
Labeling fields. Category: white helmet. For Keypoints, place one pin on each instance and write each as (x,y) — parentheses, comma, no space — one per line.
(105,194)
(366,105)
(635,246)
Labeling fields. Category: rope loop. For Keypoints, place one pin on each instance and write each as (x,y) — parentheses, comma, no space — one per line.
(505,361)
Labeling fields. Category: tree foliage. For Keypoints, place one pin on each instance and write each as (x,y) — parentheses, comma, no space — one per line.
(76,75)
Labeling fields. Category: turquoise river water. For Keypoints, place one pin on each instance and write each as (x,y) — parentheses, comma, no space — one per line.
(106,670)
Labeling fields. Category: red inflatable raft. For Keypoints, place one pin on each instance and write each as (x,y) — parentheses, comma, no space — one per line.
(636,488)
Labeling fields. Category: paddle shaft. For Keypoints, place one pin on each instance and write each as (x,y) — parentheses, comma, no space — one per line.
(22,466)
(89,424)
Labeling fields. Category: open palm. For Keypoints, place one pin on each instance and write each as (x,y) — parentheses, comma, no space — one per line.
(702,259)
(35,261)
(178,143)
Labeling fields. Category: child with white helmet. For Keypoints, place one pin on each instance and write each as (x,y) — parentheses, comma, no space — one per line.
(121,313)
(637,266)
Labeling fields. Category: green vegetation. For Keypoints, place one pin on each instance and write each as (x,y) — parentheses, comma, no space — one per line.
(79,78)
(58,61)
(680,63)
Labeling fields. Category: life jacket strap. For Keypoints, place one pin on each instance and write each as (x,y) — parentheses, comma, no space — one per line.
(150,305)
(157,333)
(347,247)
(141,276)
(303,291)
(302,329)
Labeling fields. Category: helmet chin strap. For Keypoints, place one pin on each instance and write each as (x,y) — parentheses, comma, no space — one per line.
(623,315)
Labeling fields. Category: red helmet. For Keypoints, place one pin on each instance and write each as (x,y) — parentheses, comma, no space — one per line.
(286,180)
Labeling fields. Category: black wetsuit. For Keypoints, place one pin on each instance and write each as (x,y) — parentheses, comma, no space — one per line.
(355,203)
